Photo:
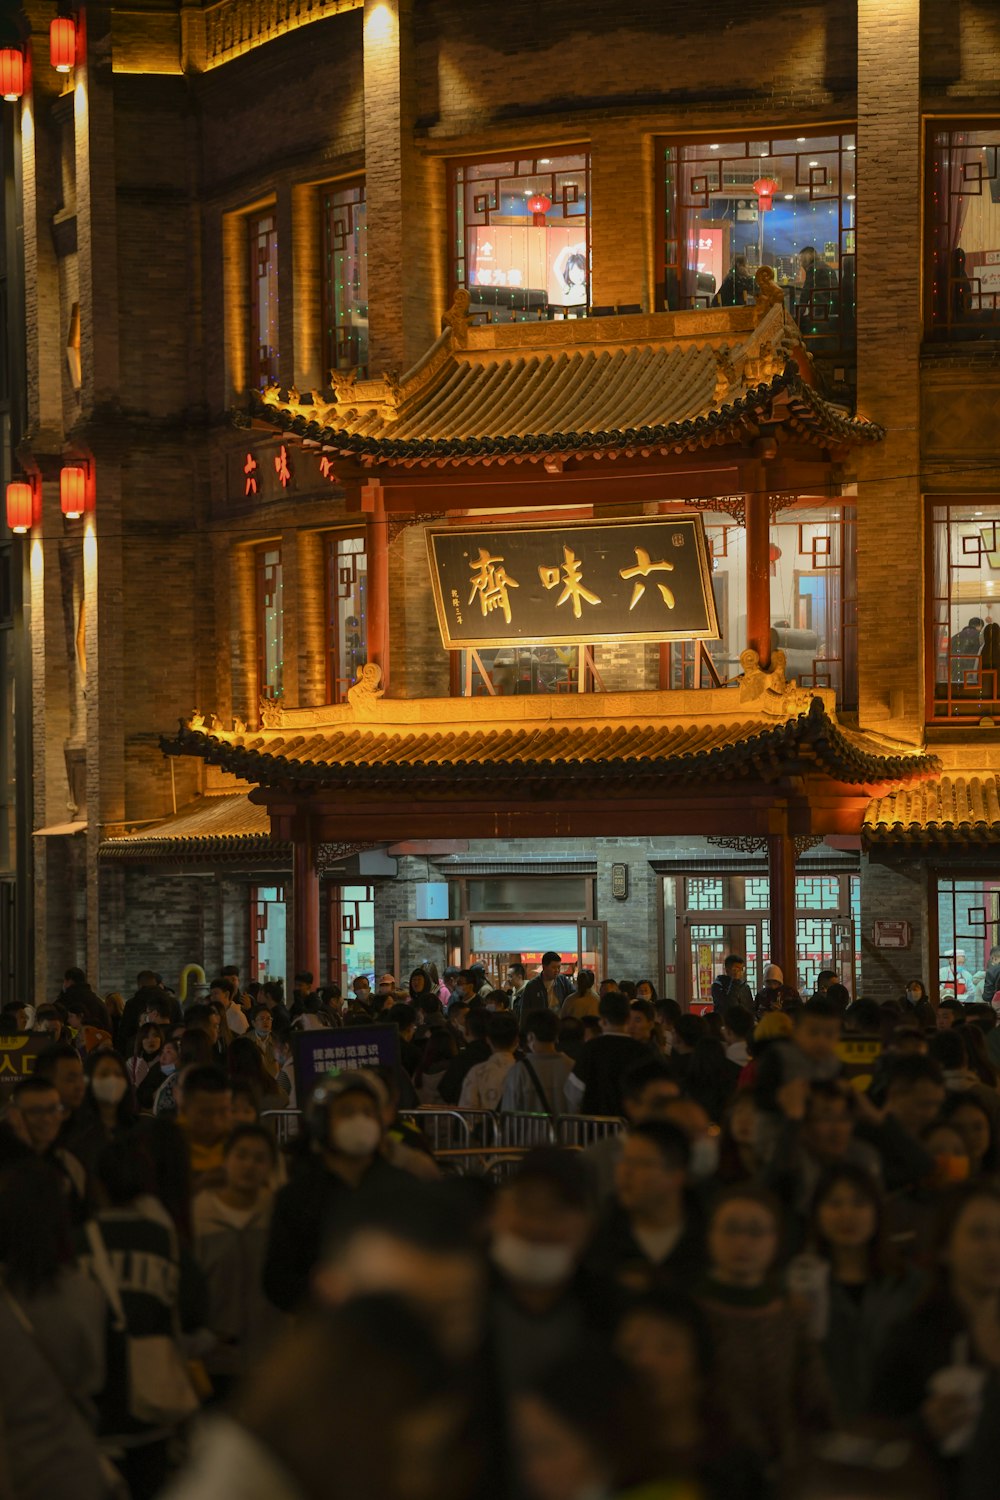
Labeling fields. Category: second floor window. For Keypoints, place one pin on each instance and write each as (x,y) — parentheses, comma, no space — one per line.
(347,613)
(263,260)
(345,277)
(964,645)
(521,236)
(270,624)
(788,203)
(964,217)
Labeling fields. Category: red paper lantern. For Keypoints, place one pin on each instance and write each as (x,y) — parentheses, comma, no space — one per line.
(539,206)
(73,491)
(11,72)
(20,506)
(765,188)
(62,44)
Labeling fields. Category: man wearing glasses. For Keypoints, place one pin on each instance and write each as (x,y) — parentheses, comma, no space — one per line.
(31,1126)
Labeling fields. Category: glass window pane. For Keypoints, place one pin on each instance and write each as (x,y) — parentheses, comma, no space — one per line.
(345,263)
(968,928)
(733,206)
(814,610)
(263,233)
(965,632)
(964,208)
(515,893)
(270,623)
(521,236)
(347,613)
(268,932)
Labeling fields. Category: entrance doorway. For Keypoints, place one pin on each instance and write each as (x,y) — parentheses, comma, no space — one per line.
(709,916)
(498,944)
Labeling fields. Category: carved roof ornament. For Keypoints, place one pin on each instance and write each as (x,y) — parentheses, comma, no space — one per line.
(770,690)
(270,713)
(366,692)
(769,293)
(457,318)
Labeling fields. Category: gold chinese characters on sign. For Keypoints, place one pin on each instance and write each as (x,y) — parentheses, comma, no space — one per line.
(641,579)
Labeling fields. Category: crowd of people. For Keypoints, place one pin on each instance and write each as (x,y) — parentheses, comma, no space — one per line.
(779,1279)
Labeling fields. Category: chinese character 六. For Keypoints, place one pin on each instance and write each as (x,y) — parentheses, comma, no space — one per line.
(570,576)
(642,569)
(281,468)
(491,583)
(250,470)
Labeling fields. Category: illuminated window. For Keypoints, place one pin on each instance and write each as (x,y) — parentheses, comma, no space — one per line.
(968,928)
(732,206)
(263,260)
(345,277)
(270,624)
(964,633)
(521,236)
(517,671)
(963,184)
(347,613)
(268,953)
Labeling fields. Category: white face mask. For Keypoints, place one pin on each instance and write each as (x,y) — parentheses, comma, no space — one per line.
(528,1264)
(704,1157)
(108,1090)
(357,1136)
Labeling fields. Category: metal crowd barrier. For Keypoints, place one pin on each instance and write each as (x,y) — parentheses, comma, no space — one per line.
(454,1129)
(478,1134)
(584,1130)
(286,1123)
(525,1129)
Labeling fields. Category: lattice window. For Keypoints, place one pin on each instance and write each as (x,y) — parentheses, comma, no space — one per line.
(817,892)
(732,206)
(345,277)
(964,634)
(963,185)
(968,913)
(347,613)
(270,623)
(521,232)
(757,894)
(262,230)
(704,893)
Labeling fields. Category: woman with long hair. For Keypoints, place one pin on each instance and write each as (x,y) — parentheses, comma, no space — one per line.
(856,1286)
(146,1048)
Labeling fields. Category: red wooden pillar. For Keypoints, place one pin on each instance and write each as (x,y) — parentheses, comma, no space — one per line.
(758,563)
(305,901)
(781,869)
(377,547)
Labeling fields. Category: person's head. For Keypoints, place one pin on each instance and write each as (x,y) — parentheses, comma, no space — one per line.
(62,1066)
(72,977)
(49,1021)
(419,984)
(641,1022)
(916,991)
(516,976)
(262,1021)
(646,990)
(551,966)
(220,992)
(847,1216)
(208,1018)
(665,1338)
(580,1429)
(743,1236)
(245,1064)
(361,987)
(824,979)
(688,1032)
(908,1041)
(816,1030)
(864,1017)
(541,1028)
(607,984)
(35,1233)
(967,1240)
(110,1085)
(807,256)
(245,1107)
(773,977)
(829,1121)
(651,1173)
(353,1104)
(148,1041)
(502,1030)
(405,1017)
(584,981)
(148,979)
(543,1219)
(249,1158)
(206,1105)
(914,1092)
(302,984)
(428,1004)
(737,1024)
(774,1026)
(950,1013)
(497,1000)
(465,984)
(414,1241)
(839,996)
(591,1026)
(948,1049)
(386,983)
(39,1111)
(17,1012)
(739,1125)
(613,1010)
(735,966)
(968,1114)
(648,1087)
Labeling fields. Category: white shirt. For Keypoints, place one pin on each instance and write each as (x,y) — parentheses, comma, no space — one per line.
(237,1021)
(483,1085)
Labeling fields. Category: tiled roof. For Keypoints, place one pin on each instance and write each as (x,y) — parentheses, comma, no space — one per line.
(669,754)
(622,384)
(955,810)
(227,826)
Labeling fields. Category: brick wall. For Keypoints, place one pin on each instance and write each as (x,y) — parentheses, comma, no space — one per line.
(893,893)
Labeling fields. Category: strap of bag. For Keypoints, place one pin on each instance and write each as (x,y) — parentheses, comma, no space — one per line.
(104,1275)
(29,1328)
(538,1087)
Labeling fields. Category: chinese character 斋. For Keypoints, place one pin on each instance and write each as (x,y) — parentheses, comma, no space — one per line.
(642,569)
(570,576)
(250,470)
(491,583)
(327,470)
(281,468)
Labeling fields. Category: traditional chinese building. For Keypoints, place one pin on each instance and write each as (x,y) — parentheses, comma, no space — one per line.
(552,495)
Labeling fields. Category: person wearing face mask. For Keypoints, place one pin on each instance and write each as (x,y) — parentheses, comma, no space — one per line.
(650,1234)
(344,1130)
(544,1300)
(108,1112)
(158,1070)
(917,1009)
(261,1026)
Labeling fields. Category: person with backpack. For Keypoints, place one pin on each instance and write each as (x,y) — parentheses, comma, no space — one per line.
(536,1083)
